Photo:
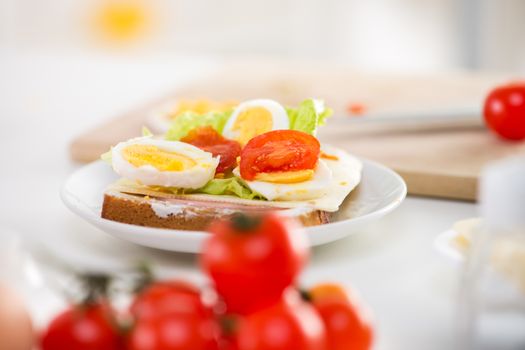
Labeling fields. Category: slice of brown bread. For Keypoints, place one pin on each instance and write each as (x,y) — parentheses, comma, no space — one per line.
(188,214)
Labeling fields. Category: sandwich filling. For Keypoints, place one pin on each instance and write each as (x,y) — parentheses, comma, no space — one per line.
(260,154)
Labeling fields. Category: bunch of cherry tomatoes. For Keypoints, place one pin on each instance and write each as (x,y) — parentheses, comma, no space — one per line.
(253,262)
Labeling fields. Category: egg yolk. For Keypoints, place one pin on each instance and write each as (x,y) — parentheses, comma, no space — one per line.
(286,177)
(202,106)
(122,20)
(251,122)
(140,155)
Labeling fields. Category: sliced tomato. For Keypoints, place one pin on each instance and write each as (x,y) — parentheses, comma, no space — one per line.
(279,150)
(209,140)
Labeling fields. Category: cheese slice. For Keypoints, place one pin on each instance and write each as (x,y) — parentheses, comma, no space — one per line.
(346,175)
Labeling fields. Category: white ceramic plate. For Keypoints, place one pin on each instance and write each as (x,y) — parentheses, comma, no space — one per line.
(381,190)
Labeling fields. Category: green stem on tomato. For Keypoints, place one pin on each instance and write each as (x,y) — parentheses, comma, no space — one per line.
(245,223)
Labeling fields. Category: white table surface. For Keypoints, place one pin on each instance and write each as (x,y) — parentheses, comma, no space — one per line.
(48,99)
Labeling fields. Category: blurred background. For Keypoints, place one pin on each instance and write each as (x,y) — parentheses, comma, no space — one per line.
(68,65)
(385,35)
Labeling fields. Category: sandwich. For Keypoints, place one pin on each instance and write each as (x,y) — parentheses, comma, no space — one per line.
(258,156)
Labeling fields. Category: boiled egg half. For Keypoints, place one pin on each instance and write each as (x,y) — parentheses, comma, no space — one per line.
(201,106)
(304,186)
(255,117)
(155,162)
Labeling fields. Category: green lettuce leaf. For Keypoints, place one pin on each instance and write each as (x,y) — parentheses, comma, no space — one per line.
(107,157)
(188,121)
(308,116)
(232,186)
(146,131)
(324,115)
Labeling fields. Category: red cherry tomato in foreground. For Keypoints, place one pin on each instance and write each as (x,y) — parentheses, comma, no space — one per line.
(175,332)
(209,140)
(82,328)
(289,324)
(346,320)
(168,297)
(279,150)
(253,259)
(171,315)
(504,111)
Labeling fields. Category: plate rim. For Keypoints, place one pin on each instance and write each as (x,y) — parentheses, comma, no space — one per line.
(87,213)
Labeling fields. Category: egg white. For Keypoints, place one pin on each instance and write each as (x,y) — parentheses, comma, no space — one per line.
(280,119)
(346,175)
(316,187)
(192,178)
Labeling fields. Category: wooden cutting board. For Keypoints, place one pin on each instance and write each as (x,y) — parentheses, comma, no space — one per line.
(440,160)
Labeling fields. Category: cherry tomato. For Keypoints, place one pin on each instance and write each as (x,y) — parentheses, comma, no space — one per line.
(175,331)
(504,111)
(279,150)
(166,297)
(346,320)
(209,140)
(88,327)
(289,324)
(252,259)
